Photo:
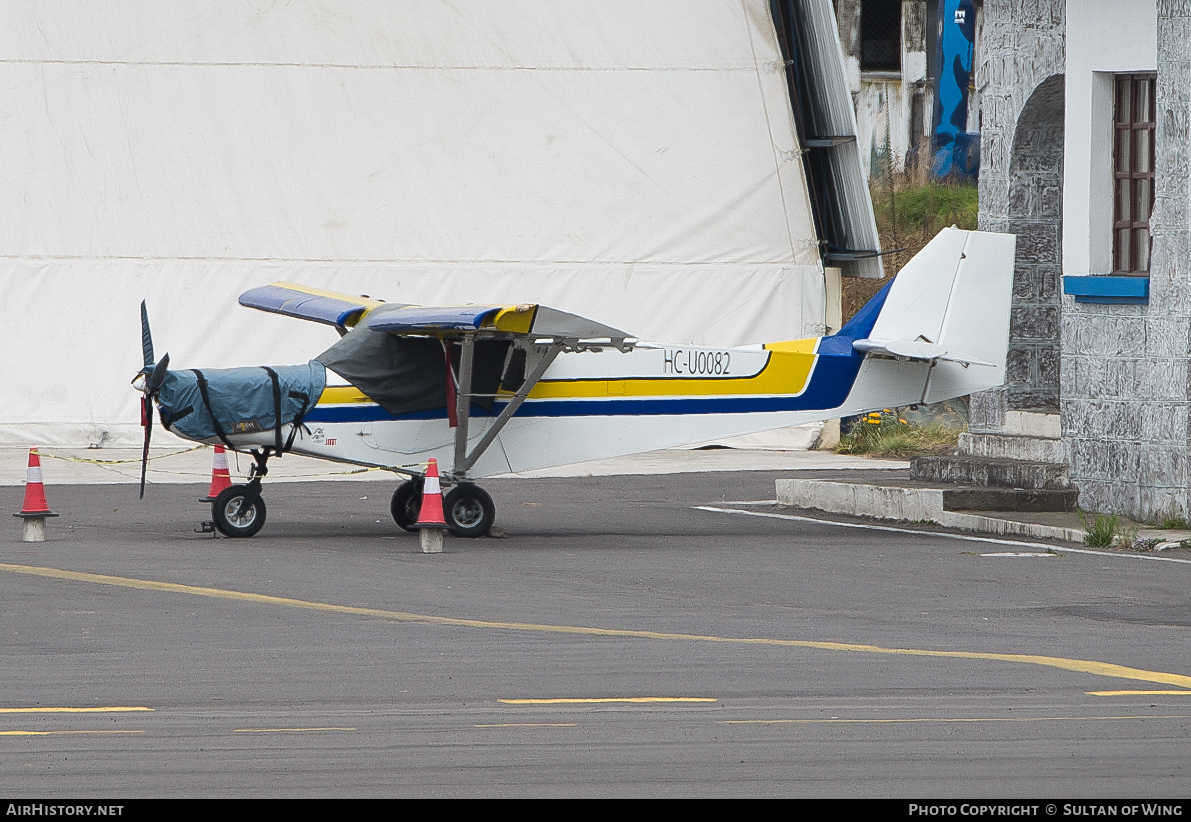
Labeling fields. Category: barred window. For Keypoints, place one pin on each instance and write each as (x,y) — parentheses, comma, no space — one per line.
(1133,172)
(881,35)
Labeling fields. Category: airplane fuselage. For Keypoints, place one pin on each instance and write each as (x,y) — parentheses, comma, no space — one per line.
(594,405)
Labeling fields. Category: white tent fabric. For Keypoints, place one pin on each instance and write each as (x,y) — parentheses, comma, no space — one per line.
(632,162)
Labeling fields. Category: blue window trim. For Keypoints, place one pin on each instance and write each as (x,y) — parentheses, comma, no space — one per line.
(1108,290)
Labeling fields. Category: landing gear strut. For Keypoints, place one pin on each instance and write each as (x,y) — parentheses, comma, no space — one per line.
(239,511)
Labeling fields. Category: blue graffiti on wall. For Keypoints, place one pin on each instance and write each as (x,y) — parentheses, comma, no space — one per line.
(956,151)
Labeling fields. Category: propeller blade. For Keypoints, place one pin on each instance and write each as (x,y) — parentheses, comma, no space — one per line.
(157,377)
(147,418)
(146,337)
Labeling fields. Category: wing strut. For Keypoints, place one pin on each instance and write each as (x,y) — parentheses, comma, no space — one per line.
(463,460)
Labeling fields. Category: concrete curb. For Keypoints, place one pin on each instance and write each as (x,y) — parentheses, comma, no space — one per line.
(906,504)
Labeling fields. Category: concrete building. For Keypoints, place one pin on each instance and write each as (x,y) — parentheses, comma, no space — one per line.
(1085,154)
(914,110)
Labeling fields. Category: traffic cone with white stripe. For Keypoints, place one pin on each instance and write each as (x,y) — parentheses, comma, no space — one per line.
(221,478)
(431,522)
(35,509)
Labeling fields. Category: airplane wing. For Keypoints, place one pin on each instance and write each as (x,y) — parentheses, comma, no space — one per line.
(526,320)
(345,311)
(329,307)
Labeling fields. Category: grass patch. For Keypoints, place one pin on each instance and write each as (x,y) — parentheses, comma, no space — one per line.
(1101,531)
(926,209)
(1127,541)
(1172,522)
(886,434)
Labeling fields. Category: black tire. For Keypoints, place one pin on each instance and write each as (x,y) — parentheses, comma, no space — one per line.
(406,504)
(468,510)
(238,511)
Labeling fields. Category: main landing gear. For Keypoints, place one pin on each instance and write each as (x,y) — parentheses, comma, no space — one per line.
(239,511)
(467,508)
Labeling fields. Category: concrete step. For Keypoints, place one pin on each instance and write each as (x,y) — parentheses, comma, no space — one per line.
(988,471)
(1012,447)
(862,499)
(1009,499)
(909,503)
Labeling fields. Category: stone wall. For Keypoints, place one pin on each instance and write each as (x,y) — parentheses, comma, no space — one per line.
(1125,384)
(1021,73)
(1035,216)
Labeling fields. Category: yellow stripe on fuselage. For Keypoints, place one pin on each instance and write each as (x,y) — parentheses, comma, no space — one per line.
(342,395)
(787,372)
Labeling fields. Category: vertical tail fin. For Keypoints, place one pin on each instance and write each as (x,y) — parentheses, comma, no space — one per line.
(951,305)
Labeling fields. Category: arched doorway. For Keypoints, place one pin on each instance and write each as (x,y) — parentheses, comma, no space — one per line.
(1035,215)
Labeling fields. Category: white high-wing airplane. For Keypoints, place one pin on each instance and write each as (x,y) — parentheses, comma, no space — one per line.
(489,389)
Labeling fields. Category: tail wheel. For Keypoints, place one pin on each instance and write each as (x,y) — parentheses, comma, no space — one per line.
(406,503)
(238,511)
(469,510)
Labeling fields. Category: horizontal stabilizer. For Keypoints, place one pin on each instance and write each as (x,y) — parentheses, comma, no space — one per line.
(917,350)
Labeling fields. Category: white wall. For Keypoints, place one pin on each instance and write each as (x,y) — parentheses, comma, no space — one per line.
(1104,37)
(636,163)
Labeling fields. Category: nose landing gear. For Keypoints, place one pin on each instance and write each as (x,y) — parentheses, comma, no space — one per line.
(239,511)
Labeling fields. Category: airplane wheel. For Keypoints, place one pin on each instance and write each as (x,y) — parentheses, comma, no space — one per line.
(406,504)
(238,512)
(469,510)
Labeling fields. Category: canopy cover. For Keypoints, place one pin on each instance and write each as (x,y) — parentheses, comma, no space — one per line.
(634,163)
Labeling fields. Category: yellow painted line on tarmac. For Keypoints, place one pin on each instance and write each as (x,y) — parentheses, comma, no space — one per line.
(285,730)
(937,719)
(112,710)
(529,725)
(51,733)
(1139,693)
(1086,666)
(567,701)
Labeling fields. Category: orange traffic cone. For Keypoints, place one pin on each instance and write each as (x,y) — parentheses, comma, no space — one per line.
(35,509)
(430,518)
(221,478)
